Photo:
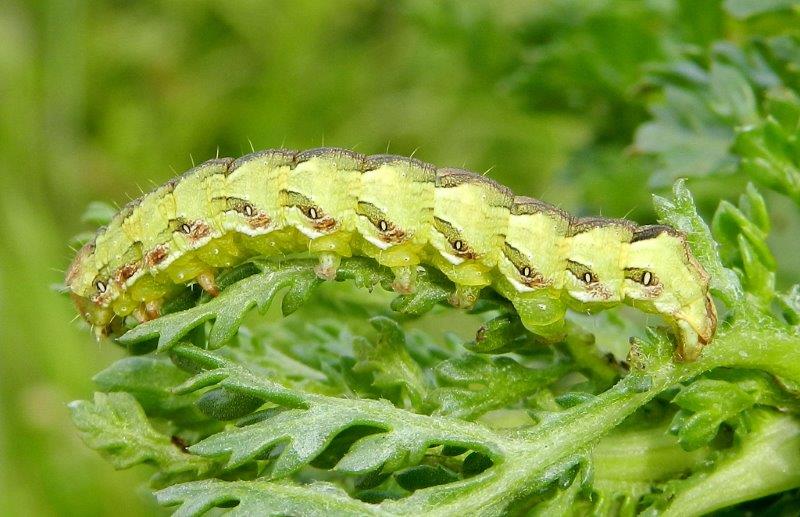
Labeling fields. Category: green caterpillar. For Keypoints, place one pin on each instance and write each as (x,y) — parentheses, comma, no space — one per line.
(335,203)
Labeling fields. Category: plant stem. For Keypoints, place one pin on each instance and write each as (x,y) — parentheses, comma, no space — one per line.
(555,444)
(768,463)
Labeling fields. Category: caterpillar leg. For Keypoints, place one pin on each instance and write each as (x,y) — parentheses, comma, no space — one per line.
(95,315)
(112,328)
(465,296)
(124,305)
(147,311)
(405,279)
(469,277)
(542,313)
(328,265)
(152,309)
(208,282)
(140,314)
(331,248)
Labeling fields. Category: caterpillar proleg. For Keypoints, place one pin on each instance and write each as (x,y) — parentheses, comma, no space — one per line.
(400,212)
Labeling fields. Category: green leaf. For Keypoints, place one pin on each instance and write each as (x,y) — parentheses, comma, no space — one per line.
(687,137)
(224,405)
(762,386)
(742,234)
(730,223)
(602,370)
(423,476)
(502,334)
(721,397)
(229,308)
(471,385)
(561,503)
(770,148)
(706,404)
(149,379)
(731,96)
(694,125)
(790,305)
(262,498)
(401,446)
(305,434)
(389,362)
(316,420)
(628,462)
(764,463)
(115,425)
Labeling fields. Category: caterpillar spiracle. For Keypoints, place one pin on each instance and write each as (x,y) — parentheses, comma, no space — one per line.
(401,212)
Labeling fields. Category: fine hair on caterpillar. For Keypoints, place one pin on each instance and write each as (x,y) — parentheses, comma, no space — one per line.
(400,212)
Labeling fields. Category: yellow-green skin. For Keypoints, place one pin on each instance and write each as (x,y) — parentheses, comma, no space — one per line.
(400,212)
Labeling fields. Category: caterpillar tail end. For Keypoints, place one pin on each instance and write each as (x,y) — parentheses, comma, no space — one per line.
(696,326)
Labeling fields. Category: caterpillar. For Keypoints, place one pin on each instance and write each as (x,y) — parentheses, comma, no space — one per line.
(401,212)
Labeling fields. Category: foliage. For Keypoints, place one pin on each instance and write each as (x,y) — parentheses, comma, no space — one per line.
(383,430)
(569,101)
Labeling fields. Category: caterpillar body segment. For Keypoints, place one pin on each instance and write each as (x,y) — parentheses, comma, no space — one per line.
(531,264)
(401,212)
(393,229)
(597,251)
(471,245)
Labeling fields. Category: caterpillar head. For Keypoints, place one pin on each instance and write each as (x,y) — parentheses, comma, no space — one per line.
(87,289)
(594,258)
(662,276)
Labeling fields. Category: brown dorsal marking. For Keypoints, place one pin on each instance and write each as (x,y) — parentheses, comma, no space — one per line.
(127,271)
(157,255)
(200,230)
(585,224)
(450,177)
(324,224)
(259,220)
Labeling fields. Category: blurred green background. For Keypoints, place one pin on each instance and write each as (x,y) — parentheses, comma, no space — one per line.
(101,99)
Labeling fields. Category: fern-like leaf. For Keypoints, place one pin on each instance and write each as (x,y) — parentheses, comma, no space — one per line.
(402,439)
(474,384)
(115,425)
(390,363)
(262,498)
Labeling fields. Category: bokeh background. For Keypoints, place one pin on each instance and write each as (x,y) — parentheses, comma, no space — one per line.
(101,99)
